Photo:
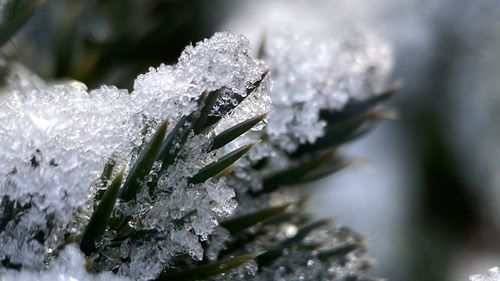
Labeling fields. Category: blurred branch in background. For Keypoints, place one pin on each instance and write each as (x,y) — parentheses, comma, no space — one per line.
(100,41)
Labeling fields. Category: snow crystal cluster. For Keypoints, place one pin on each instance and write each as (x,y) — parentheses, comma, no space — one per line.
(185,214)
(312,74)
(222,61)
(69,266)
(493,275)
(56,140)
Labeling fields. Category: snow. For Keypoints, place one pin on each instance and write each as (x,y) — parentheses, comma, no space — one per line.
(312,73)
(69,266)
(492,275)
(54,144)
(55,140)
(221,61)
(186,214)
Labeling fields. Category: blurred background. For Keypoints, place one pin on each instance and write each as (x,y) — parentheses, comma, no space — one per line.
(427,194)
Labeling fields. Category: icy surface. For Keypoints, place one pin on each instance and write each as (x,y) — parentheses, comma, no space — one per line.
(69,266)
(312,73)
(493,275)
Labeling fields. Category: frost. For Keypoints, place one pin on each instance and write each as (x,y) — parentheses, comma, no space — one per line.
(181,215)
(56,139)
(69,266)
(222,61)
(312,74)
(493,275)
(259,102)
(54,143)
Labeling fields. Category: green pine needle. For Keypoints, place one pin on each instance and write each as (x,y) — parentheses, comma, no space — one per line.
(293,175)
(220,165)
(325,169)
(232,133)
(143,164)
(211,120)
(339,251)
(242,222)
(210,100)
(107,171)
(178,135)
(100,217)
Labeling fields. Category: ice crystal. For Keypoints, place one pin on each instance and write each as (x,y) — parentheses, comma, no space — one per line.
(259,102)
(493,275)
(69,266)
(56,139)
(222,61)
(341,70)
(182,214)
